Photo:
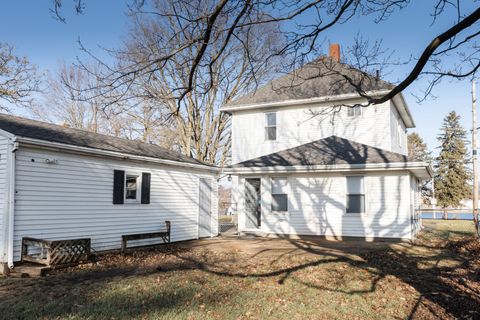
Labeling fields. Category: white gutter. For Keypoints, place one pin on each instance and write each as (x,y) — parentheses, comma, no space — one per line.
(12,148)
(332,168)
(106,153)
(294,102)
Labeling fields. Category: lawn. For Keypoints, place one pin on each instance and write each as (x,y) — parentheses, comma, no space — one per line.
(265,278)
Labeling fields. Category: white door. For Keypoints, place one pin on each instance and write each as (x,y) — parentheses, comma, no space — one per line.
(205,208)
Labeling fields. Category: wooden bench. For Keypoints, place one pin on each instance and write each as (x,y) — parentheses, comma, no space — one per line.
(164,234)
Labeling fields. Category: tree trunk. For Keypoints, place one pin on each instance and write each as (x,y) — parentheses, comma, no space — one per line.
(445,214)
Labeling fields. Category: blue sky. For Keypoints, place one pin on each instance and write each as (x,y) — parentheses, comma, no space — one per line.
(30,27)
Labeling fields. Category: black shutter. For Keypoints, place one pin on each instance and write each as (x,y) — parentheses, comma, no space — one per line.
(118,186)
(146,177)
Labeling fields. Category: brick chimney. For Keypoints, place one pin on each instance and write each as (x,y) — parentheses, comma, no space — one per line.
(335,52)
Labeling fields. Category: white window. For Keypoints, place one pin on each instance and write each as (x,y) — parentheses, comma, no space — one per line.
(355,194)
(279,194)
(271,126)
(354,111)
(132,187)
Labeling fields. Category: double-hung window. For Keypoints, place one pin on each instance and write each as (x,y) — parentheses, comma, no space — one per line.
(271,126)
(355,194)
(354,111)
(131,187)
(279,194)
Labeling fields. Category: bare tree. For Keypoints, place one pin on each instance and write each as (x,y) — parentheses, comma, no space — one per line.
(221,22)
(234,68)
(18,78)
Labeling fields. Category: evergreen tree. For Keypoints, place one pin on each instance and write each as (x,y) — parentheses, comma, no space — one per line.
(452,175)
(418,151)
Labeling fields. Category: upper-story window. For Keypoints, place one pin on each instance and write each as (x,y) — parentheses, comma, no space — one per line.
(354,111)
(271,126)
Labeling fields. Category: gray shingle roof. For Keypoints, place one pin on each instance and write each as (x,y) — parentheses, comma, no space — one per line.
(329,151)
(22,127)
(320,78)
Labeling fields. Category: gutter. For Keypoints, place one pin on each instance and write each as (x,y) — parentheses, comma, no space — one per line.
(113,154)
(331,168)
(294,102)
(11,162)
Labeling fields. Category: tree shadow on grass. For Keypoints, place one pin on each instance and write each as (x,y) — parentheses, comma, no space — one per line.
(446,291)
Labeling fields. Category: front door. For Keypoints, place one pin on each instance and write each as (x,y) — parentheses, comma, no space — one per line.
(252,204)
(205,208)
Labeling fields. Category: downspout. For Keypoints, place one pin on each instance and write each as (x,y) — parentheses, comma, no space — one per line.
(13,147)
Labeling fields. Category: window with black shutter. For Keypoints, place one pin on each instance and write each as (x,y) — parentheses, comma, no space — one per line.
(131,187)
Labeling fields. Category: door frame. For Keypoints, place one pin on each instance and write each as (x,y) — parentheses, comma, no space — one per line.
(244,203)
(199,207)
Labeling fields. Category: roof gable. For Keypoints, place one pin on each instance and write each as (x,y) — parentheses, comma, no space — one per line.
(328,151)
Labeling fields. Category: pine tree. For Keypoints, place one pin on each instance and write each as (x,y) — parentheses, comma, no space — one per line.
(452,174)
(418,151)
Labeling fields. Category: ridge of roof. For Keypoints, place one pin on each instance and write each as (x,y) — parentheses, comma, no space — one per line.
(39,130)
(320,77)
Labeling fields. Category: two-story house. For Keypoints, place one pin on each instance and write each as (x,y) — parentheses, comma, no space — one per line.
(305,162)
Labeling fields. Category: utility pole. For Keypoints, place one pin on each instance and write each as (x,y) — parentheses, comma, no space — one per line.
(474,156)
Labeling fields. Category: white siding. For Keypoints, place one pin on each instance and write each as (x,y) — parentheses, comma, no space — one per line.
(73,199)
(295,126)
(317,207)
(3,190)
(397,131)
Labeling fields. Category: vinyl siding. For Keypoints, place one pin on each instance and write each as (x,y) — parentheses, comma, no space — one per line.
(296,126)
(317,207)
(73,199)
(3,191)
(397,123)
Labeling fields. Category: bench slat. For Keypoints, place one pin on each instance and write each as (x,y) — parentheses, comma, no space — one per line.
(163,234)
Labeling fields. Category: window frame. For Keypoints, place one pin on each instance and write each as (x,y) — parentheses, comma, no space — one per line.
(347,194)
(138,193)
(399,134)
(267,126)
(285,193)
(354,112)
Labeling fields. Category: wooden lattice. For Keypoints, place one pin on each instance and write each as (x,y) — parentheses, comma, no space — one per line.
(55,252)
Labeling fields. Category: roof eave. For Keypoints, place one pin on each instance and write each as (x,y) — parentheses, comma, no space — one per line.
(293,102)
(403,110)
(411,166)
(113,154)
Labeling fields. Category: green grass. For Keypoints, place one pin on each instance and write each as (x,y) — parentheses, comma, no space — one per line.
(203,283)
(448,229)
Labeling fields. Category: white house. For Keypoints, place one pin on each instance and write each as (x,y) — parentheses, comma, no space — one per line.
(306,163)
(62,183)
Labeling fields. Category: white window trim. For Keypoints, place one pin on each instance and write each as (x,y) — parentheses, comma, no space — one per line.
(270,126)
(287,187)
(354,110)
(365,196)
(139,187)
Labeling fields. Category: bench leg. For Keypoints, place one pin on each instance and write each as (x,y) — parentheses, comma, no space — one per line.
(124,245)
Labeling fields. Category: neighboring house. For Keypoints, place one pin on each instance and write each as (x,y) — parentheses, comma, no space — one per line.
(305,165)
(63,183)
